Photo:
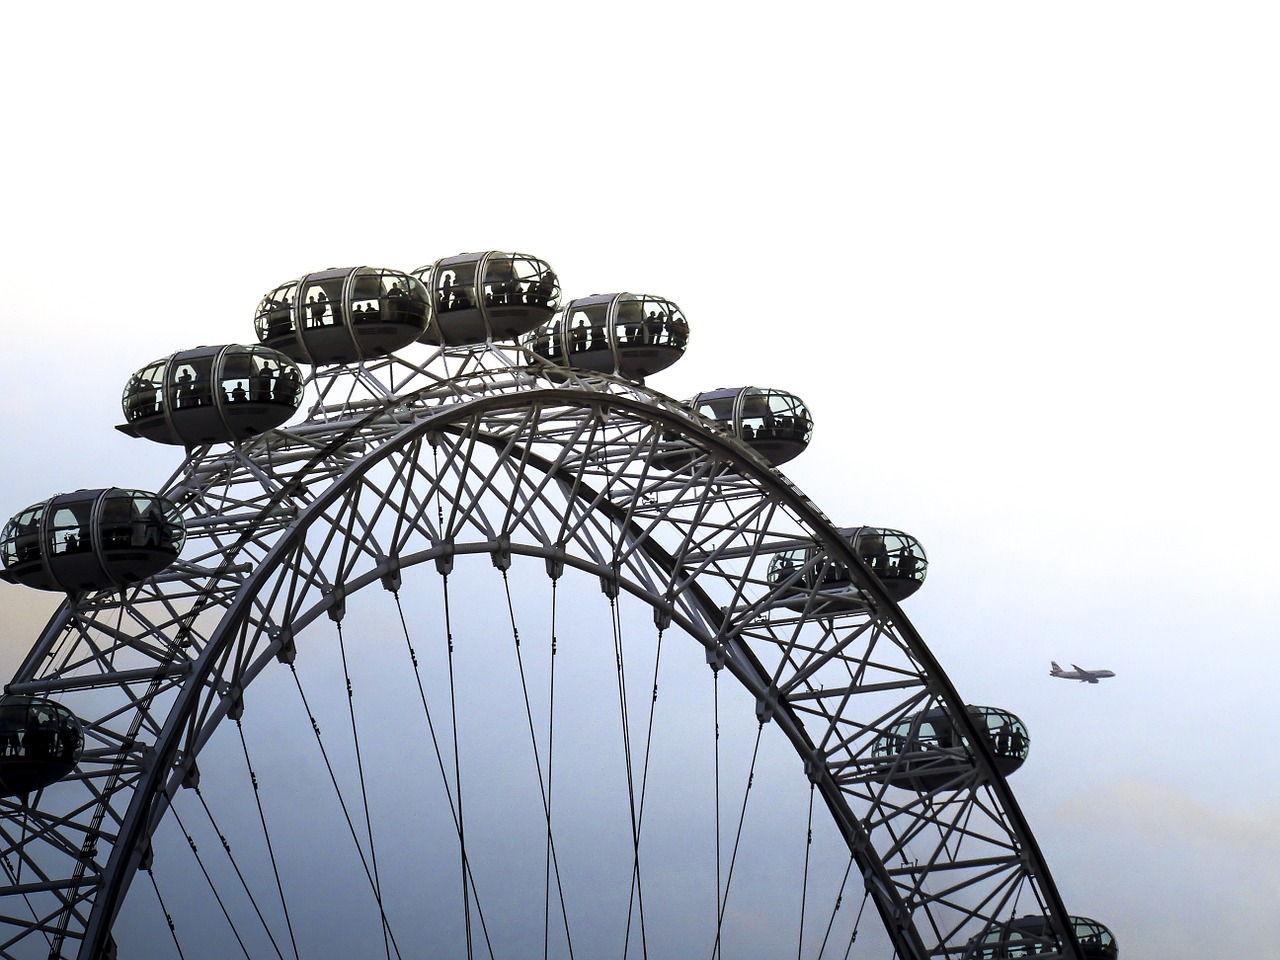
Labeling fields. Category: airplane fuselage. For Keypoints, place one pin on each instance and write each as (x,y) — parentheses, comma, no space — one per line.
(1079,673)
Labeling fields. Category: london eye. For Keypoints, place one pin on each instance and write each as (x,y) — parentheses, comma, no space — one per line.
(449,634)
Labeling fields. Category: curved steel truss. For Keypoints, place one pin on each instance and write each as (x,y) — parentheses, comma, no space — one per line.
(397,467)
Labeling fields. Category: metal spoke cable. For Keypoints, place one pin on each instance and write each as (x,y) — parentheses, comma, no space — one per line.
(435,740)
(553,863)
(737,840)
(835,909)
(715,700)
(364,791)
(266,836)
(342,802)
(244,884)
(551,743)
(853,937)
(637,901)
(213,888)
(468,886)
(168,917)
(644,769)
(804,886)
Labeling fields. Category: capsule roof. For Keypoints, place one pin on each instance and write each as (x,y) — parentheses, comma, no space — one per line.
(40,743)
(774,423)
(92,540)
(476,297)
(211,395)
(629,334)
(343,315)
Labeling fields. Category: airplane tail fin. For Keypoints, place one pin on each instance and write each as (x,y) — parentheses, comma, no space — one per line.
(1054,668)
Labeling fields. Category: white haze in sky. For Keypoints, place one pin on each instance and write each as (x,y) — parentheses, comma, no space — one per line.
(1019,259)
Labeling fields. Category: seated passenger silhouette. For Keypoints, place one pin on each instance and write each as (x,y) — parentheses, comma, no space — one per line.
(239,394)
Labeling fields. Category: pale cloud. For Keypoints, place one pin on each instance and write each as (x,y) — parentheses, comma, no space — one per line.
(1177,878)
(23,614)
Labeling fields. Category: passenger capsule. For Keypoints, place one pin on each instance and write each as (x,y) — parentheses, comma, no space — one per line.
(1032,935)
(477,297)
(774,423)
(40,743)
(925,751)
(628,334)
(343,315)
(92,540)
(211,395)
(896,558)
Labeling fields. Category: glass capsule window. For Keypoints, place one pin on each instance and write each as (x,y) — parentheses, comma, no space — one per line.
(32,728)
(190,382)
(588,327)
(651,322)
(367,293)
(69,528)
(142,394)
(774,415)
(1004,731)
(135,518)
(40,743)
(501,286)
(317,309)
(258,375)
(1095,940)
(804,566)
(891,554)
(455,287)
(545,341)
(538,282)
(21,541)
(274,318)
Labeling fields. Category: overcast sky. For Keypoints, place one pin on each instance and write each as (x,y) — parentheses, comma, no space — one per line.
(1018,258)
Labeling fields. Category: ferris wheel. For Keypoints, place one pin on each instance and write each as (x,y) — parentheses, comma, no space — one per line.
(496,651)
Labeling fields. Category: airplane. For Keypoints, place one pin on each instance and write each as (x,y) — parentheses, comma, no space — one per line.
(1079,673)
